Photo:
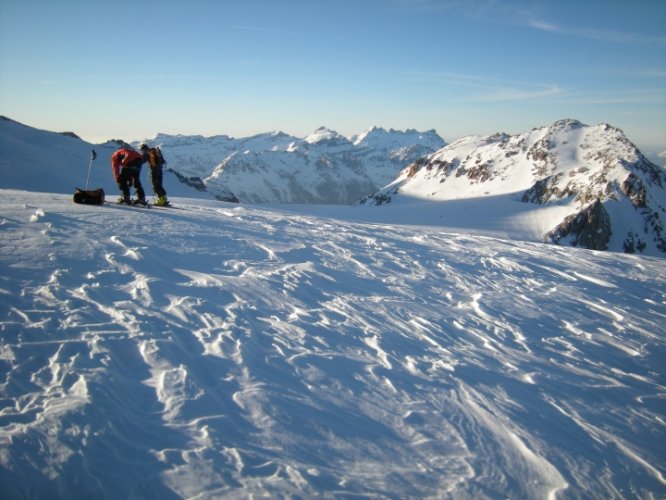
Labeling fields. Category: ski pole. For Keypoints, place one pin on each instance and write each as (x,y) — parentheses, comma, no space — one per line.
(93,155)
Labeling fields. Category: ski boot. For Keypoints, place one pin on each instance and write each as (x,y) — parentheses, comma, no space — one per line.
(141,202)
(162,202)
(124,200)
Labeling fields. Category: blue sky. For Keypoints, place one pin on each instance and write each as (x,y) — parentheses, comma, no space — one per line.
(119,69)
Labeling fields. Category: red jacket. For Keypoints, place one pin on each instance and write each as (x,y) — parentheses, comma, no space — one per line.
(121,158)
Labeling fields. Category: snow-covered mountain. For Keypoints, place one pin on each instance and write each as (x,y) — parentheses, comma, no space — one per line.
(234,351)
(324,167)
(592,185)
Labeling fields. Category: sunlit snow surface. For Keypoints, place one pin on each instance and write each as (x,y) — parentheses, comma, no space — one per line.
(219,350)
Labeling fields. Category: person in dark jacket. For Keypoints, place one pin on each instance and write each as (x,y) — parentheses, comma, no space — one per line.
(126,164)
(156,162)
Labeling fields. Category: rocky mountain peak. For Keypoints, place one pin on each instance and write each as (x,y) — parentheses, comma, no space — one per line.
(374,130)
(328,137)
(566,123)
(614,195)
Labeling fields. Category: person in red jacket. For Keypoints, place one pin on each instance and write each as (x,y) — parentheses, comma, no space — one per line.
(126,164)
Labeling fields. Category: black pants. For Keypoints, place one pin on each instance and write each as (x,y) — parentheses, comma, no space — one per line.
(130,175)
(156,176)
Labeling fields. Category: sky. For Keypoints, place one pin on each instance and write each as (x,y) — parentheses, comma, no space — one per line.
(132,69)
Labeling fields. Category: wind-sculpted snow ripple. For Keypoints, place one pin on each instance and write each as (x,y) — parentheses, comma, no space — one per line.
(225,352)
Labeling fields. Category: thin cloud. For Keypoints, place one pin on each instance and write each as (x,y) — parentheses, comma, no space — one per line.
(656,73)
(258,29)
(543,26)
(486,89)
(650,97)
(503,94)
(427,5)
(592,34)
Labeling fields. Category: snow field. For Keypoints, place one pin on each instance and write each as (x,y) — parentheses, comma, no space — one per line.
(223,350)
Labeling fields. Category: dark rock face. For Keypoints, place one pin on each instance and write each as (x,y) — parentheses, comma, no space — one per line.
(590,228)
(545,190)
(634,189)
(199,185)
(633,243)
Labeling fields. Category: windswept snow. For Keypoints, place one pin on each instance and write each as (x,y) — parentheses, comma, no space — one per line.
(219,350)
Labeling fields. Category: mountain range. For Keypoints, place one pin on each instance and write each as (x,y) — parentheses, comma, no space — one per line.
(594,186)
(324,167)
(566,183)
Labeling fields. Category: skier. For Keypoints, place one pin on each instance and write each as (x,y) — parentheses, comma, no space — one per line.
(126,164)
(156,161)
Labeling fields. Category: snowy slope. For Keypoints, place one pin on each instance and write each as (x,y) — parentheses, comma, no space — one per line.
(590,185)
(229,351)
(40,160)
(324,167)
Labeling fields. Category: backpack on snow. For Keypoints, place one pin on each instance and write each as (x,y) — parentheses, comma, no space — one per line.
(89,196)
(155,158)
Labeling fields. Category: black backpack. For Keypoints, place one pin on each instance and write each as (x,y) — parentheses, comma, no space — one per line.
(89,196)
(155,158)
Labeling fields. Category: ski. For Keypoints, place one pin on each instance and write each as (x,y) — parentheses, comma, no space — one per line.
(139,205)
(130,205)
(169,206)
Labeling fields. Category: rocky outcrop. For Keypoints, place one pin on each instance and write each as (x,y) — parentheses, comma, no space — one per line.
(70,134)
(547,189)
(589,228)
(634,189)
